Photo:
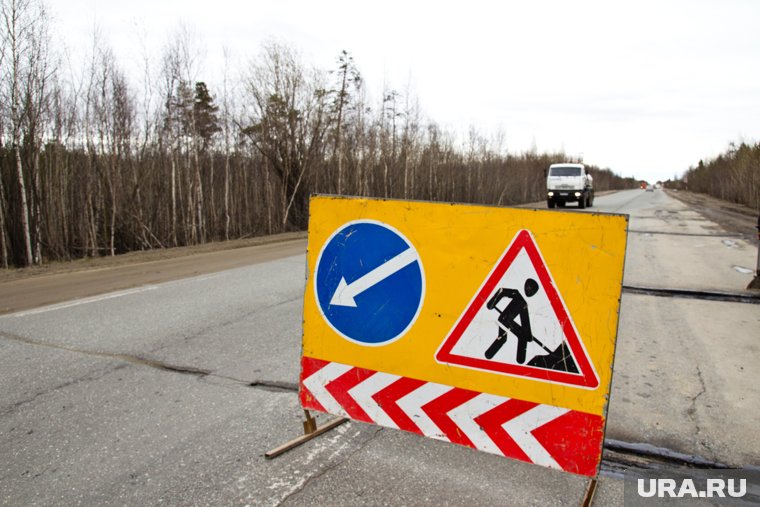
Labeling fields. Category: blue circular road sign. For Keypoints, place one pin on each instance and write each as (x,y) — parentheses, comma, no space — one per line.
(369,282)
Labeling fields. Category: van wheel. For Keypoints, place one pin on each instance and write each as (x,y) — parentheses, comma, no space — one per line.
(550,204)
(582,202)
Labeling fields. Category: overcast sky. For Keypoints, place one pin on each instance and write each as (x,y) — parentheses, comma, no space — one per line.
(644,87)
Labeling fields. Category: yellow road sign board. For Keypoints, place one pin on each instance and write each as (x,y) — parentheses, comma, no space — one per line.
(461,304)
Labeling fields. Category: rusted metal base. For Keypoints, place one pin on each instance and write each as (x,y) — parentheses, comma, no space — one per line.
(310,429)
(588,498)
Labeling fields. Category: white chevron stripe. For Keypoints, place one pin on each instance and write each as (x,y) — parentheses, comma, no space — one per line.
(412,404)
(363,392)
(316,384)
(520,429)
(464,416)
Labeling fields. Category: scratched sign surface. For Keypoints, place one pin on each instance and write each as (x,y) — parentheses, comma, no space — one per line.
(488,327)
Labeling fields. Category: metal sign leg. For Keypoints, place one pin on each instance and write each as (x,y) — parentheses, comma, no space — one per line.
(310,429)
(588,498)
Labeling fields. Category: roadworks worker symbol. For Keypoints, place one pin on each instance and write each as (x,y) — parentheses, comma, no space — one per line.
(518,325)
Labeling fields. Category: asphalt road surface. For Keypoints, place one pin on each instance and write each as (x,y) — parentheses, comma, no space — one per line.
(169,393)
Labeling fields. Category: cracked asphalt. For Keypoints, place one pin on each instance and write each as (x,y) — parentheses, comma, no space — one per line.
(170,393)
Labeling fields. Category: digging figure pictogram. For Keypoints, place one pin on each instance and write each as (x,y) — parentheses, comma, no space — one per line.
(558,359)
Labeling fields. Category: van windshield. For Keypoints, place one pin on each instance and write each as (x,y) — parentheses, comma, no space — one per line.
(565,171)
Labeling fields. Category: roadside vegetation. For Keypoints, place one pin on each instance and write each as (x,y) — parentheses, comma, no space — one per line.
(92,164)
(732,176)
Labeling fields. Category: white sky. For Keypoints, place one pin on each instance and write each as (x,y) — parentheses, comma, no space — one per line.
(645,87)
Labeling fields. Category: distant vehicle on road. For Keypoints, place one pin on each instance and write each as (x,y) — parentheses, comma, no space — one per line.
(650,188)
(569,183)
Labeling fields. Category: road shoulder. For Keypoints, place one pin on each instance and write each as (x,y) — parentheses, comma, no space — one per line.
(32,289)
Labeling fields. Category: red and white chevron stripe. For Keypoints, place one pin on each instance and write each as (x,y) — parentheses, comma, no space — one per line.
(546,435)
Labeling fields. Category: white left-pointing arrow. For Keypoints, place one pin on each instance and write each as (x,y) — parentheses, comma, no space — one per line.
(345,293)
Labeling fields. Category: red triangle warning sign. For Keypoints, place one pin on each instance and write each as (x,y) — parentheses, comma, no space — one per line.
(517,324)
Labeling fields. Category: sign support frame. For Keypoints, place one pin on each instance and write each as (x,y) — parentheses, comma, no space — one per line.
(311,431)
(588,496)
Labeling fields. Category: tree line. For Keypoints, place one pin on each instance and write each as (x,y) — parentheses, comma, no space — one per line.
(733,176)
(91,164)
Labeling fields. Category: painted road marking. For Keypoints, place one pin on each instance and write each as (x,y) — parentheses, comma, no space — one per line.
(83,301)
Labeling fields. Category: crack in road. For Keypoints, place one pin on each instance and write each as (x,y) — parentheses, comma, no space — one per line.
(694,234)
(265,385)
(129,358)
(622,459)
(732,297)
(692,411)
(642,455)
(274,386)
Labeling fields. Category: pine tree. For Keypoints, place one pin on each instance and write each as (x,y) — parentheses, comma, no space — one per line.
(206,114)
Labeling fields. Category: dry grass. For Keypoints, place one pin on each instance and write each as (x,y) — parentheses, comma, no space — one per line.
(58,267)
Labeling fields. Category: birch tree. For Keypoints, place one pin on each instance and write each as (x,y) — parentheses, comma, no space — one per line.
(24,77)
